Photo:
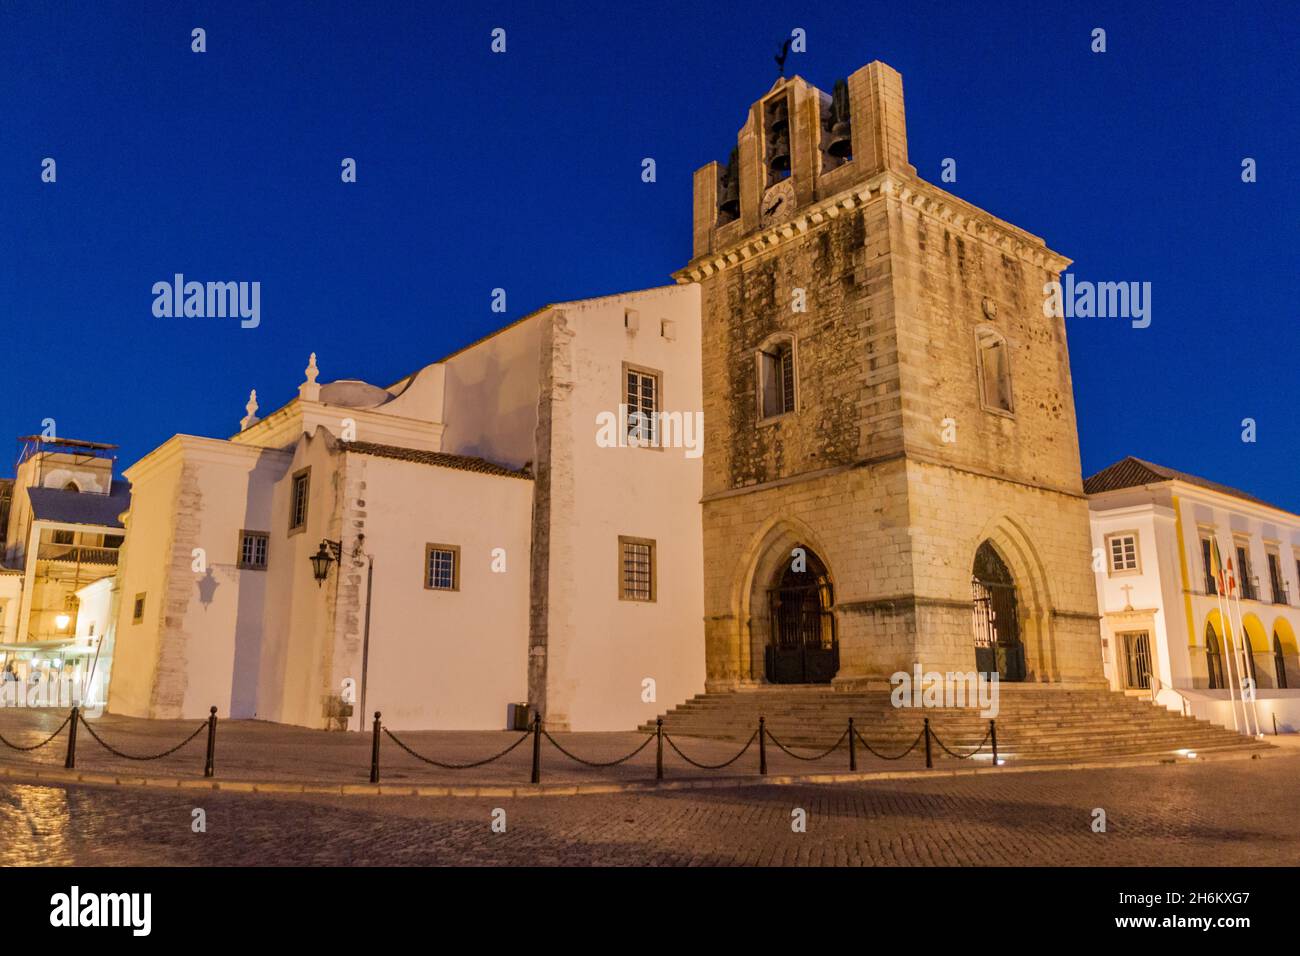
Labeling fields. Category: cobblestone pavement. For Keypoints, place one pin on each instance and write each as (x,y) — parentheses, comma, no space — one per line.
(1226,813)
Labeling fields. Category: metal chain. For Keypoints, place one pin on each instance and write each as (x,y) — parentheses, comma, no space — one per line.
(708,766)
(42,743)
(877,753)
(829,750)
(961,756)
(125,756)
(592,763)
(456,766)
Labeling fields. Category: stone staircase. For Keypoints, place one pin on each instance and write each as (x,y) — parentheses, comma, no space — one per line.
(1034,722)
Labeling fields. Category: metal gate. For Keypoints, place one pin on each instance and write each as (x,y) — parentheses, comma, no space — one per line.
(803,649)
(997,631)
(1137,660)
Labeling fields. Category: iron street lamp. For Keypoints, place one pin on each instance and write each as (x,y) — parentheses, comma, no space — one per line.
(329,552)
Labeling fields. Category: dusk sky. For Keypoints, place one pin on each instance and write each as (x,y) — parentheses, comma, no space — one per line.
(522,171)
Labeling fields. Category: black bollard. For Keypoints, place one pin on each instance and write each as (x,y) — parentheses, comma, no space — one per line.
(993,736)
(853,749)
(762,745)
(374,752)
(208,768)
(537,747)
(659,748)
(929,757)
(71,762)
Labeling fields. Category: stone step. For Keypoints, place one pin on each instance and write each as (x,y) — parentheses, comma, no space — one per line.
(1033,723)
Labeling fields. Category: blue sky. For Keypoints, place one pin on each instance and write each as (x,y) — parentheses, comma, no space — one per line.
(522,171)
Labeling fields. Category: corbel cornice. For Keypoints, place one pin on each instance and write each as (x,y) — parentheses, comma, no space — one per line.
(928,199)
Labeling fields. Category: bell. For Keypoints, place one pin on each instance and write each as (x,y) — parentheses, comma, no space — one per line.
(780,119)
(780,161)
(839,143)
(729,202)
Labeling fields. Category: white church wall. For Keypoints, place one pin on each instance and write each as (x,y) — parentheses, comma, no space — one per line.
(491,396)
(297,635)
(448,660)
(602,649)
(145,563)
(202,626)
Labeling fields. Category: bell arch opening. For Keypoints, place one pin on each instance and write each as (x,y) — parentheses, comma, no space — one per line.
(996,616)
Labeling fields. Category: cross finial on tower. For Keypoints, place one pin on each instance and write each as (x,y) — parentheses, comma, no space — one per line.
(251,418)
(309,390)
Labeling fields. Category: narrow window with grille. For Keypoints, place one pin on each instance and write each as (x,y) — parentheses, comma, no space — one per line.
(636,569)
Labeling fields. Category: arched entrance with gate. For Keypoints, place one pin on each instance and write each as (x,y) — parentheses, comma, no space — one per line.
(998,647)
(802,647)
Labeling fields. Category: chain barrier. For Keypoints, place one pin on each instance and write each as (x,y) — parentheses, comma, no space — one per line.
(126,756)
(712,766)
(967,756)
(14,746)
(876,753)
(825,753)
(592,763)
(457,766)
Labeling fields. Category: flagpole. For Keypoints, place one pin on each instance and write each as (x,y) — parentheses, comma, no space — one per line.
(1246,670)
(1226,621)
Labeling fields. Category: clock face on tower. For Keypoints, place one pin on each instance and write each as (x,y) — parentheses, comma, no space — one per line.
(777,204)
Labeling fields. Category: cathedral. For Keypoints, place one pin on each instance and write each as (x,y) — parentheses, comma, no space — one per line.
(884,394)
(889,477)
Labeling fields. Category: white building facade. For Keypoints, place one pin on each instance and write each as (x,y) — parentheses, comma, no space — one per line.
(482,537)
(1161,538)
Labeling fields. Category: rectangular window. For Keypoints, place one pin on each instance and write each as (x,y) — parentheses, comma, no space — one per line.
(1247,581)
(1123,552)
(63,537)
(137,612)
(298,495)
(1209,553)
(442,567)
(776,380)
(994,370)
(252,550)
(642,397)
(636,569)
(1275,578)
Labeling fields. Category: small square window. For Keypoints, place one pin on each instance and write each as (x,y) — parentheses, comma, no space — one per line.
(252,550)
(636,569)
(137,612)
(298,497)
(1123,552)
(442,567)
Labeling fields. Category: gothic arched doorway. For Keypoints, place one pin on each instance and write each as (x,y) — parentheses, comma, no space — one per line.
(803,648)
(996,617)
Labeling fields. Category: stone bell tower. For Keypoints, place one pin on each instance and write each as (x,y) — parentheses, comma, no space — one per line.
(884,400)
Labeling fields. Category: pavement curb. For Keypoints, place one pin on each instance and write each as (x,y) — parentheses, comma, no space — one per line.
(55,775)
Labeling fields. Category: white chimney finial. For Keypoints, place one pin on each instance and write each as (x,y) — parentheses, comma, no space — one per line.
(251,408)
(309,390)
